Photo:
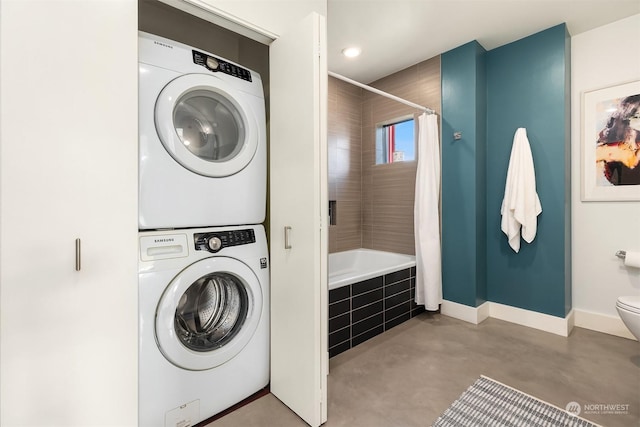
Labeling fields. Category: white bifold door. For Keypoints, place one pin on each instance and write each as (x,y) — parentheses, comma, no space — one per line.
(68,171)
(299,214)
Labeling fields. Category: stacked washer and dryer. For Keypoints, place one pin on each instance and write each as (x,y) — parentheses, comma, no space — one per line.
(203,275)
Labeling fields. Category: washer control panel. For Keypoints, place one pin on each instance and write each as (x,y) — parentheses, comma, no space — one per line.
(218,240)
(215,65)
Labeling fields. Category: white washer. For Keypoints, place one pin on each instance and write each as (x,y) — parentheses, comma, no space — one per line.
(202,148)
(203,322)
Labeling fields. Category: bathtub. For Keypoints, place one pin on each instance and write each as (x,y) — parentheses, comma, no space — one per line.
(369,293)
(357,265)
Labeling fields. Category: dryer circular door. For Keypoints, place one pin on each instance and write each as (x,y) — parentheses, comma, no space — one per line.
(208,313)
(204,127)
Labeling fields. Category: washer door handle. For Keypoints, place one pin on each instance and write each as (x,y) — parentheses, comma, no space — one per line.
(287,237)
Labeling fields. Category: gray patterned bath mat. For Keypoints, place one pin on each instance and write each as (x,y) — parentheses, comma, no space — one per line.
(490,403)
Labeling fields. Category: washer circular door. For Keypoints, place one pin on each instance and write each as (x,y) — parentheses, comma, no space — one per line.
(204,127)
(208,313)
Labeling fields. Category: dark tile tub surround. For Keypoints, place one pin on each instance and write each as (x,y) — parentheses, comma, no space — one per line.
(365,309)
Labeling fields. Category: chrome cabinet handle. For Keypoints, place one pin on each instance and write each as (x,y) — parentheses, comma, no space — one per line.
(78,255)
(287,237)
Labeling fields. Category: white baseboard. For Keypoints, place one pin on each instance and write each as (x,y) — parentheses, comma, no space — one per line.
(607,324)
(556,325)
(484,311)
(533,319)
(467,313)
(612,325)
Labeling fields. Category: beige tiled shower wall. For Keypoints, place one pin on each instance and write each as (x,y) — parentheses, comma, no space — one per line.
(374,202)
(388,190)
(345,165)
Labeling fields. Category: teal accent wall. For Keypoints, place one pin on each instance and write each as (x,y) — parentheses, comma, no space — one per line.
(481,174)
(527,86)
(464,174)
(568,279)
(487,96)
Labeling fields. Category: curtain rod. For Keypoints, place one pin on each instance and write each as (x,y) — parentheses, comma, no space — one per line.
(379,92)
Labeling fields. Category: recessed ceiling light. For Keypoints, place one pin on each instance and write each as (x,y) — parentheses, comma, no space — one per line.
(351,52)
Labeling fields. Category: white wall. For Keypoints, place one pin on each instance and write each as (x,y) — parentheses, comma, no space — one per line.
(270,18)
(603,57)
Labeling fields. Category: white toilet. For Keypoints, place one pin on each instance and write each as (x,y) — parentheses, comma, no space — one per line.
(629,311)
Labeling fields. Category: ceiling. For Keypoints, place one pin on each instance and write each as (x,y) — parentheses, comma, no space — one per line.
(395,34)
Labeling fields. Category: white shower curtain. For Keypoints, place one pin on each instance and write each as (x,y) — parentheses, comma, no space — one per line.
(427,215)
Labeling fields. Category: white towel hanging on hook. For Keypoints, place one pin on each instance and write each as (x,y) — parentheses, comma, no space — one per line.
(520,205)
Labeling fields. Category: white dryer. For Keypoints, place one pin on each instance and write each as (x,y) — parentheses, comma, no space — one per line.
(203,322)
(202,147)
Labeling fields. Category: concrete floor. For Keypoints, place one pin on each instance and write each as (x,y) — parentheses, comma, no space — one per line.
(409,375)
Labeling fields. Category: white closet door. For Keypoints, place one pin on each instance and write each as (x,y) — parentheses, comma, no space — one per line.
(68,169)
(298,167)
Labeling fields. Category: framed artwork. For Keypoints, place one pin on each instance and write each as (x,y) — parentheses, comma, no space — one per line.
(611,143)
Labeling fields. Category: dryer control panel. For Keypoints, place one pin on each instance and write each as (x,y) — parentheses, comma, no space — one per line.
(214,64)
(215,241)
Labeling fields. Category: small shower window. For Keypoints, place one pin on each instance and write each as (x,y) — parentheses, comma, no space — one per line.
(395,141)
